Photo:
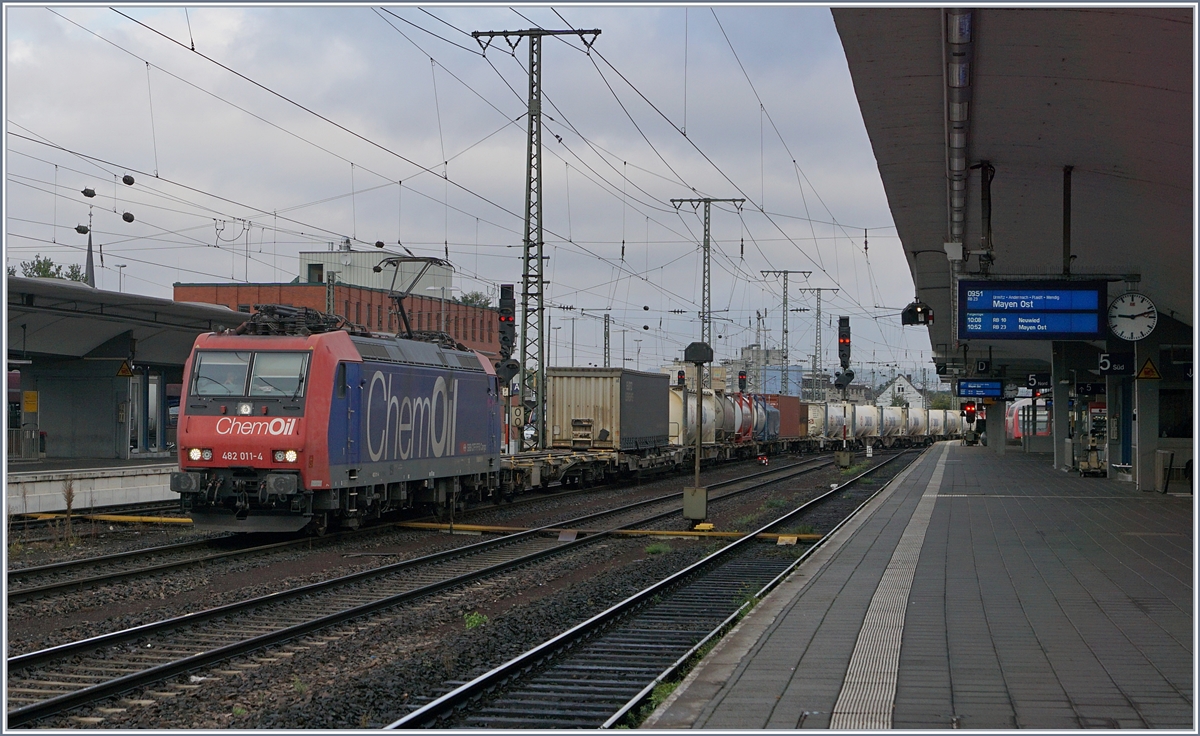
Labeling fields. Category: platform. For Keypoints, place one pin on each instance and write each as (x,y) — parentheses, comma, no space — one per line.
(37,486)
(979,592)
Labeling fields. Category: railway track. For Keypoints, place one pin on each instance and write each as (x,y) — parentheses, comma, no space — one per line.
(47,682)
(73,575)
(24,523)
(600,672)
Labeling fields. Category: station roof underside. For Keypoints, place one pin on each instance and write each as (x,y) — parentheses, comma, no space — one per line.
(1106,90)
(65,319)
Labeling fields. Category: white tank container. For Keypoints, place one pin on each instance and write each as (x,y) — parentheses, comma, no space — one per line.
(835,420)
(915,422)
(864,420)
(891,421)
(683,419)
(816,421)
(937,423)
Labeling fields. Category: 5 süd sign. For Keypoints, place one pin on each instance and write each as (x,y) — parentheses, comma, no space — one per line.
(1117,364)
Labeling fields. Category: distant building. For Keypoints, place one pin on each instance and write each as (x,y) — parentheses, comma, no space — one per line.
(475,327)
(356,267)
(900,389)
(715,375)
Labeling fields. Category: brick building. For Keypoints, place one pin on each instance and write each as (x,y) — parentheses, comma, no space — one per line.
(475,327)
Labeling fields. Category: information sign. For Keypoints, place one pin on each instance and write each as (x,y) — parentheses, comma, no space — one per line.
(1116,364)
(1038,380)
(976,388)
(1030,310)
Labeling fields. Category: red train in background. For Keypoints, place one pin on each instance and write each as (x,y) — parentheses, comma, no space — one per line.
(297,420)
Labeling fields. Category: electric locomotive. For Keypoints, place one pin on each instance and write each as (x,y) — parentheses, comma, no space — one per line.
(298,420)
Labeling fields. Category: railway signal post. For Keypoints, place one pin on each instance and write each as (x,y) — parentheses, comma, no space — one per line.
(695,498)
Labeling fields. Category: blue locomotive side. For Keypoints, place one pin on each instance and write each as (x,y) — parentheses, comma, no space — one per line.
(396,423)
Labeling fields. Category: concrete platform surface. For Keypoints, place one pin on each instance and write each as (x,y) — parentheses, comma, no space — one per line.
(978,592)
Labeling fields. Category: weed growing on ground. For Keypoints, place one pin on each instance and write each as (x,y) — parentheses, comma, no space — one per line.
(744,522)
(298,686)
(658,548)
(475,619)
(239,711)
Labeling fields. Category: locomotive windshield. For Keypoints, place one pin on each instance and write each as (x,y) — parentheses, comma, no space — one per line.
(278,374)
(220,374)
(270,374)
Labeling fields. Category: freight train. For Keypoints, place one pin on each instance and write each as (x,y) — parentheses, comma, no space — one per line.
(297,420)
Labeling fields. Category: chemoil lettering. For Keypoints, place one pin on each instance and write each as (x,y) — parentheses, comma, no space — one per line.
(276,426)
(402,427)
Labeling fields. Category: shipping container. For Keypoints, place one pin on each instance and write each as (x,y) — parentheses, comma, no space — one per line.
(816,420)
(891,423)
(793,415)
(683,416)
(937,423)
(914,422)
(863,420)
(606,408)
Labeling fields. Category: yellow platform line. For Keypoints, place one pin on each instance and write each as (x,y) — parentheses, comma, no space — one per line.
(625,532)
(114,517)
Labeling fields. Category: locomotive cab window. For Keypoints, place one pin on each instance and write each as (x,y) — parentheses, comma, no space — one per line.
(220,373)
(341,380)
(278,374)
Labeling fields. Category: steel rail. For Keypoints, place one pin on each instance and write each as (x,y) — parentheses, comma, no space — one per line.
(55,704)
(428,714)
(18,594)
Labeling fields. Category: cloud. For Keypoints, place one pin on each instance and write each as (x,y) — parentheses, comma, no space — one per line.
(399,101)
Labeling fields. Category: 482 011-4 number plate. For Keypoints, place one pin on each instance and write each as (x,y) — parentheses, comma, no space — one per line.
(241,455)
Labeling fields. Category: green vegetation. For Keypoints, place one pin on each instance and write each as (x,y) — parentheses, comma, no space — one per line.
(298,686)
(474,299)
(744,523)
(856,469)
(777,503)
(239,710)
(658,548)
(941,400)
(474,620)
(40,266)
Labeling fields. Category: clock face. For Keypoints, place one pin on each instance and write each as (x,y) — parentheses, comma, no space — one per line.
(1132,316)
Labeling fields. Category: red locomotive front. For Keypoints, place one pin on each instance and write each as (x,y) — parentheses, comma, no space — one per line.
(251,427)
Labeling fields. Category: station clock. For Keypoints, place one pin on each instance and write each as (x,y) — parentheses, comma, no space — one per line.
(1132,316)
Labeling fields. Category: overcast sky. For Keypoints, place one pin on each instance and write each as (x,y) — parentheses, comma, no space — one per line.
(308,125)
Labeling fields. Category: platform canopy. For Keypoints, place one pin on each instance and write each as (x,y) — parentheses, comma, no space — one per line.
(1106,90)
(56,318)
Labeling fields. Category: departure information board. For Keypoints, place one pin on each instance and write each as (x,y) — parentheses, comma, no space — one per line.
(1031,310)
(979,388)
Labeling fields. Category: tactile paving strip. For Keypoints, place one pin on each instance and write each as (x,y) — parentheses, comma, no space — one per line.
(869,691)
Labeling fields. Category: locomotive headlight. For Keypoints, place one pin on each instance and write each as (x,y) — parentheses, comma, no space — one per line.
(194,453)
(244,408)
(279,456)
(206,454)
(291,456)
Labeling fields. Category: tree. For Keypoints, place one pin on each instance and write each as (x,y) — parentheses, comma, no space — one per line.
(941,400)
(475,299)
(45,267)
(898,399)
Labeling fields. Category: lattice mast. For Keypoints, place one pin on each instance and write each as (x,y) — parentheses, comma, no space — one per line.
(532,377)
